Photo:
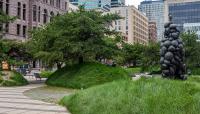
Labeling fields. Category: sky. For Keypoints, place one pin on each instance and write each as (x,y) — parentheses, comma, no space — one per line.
(133,2)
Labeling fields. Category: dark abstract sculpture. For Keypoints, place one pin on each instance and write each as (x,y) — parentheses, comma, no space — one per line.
(172,53)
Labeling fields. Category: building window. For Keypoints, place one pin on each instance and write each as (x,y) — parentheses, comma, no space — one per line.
(45,1)
(66,5)
(34,13)
(24,31)
(24,11)
(1,5)
(7,27)
(45,16)
(39,12)
(19,10)
(58,3)
(7,6)
(18,29)
(52,2)
(52,16)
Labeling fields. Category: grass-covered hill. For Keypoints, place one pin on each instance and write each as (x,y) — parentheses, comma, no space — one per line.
(145,96)
(12,78)
(86,75)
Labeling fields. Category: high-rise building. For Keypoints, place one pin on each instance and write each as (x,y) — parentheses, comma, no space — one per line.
(117,3)
(182,11)
(30,14)
(154,10)
(152,32)
(93,4)
(134,26)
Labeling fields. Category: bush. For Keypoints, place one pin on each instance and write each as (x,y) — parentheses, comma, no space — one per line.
(16,79)
(46,74)
(1,79)
(195,71)
(145,96)
(86,75)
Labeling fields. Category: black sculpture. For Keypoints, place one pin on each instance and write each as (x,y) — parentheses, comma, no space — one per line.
(172,53)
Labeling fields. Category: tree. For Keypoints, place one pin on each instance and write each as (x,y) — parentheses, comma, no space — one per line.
(192,48)
(151,55)
(76,36)
(4,18)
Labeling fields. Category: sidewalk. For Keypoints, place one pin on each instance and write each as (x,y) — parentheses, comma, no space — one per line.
(12,101)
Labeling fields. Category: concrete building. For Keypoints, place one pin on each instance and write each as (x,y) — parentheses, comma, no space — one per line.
(134,26)
(152,32)
(117,3)
(103,5)
(154,10)
(30,14)
(192,27)
(72,7)
(182,11)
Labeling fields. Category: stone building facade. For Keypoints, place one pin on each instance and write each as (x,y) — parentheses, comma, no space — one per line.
(30,14)
(152,32)
(134,24)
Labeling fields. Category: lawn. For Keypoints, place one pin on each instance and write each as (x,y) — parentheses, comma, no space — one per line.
(86,75)
(144,96)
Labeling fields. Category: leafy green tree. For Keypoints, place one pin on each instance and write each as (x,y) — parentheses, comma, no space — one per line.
(76,36)
(4,18)
(192,47)
(150,56)
(132,53)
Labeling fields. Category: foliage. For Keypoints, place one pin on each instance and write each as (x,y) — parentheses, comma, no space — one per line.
(13,52)
(74,37)
(4,18)
(86,75)
(192,47)
(16,79)
(46,74)
(154,96)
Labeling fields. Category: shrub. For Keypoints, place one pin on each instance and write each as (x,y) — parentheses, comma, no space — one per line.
(46,74)
(9,83)
(86,75)
(145,96)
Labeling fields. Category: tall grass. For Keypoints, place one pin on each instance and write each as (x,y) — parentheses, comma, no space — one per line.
(145,96)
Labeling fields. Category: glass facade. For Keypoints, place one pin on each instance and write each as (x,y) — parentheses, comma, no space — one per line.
(187,12)
(93,4)
(117,3)
(154,10)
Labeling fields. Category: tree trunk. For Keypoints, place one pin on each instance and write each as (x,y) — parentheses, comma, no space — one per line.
(59,65)
(80,59)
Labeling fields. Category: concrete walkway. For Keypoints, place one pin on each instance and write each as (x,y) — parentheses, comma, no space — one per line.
(12,101)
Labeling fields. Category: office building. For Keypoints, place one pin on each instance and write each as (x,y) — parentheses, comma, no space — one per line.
(103,5)
(154,10)
(30,14)
(117,3)
(183,11)
(134,26)
(152,32)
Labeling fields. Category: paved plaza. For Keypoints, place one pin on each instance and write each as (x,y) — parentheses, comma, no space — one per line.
(13,101)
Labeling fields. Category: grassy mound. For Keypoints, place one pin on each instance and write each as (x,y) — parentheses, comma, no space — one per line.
(86,75)
(145,96)
(15,79)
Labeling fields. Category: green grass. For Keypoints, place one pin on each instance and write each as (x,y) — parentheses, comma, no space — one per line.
(46,74)
(145,96)
(16,79)
(134,70)
(86,75)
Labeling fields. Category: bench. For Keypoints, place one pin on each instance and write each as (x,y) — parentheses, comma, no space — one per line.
(37,76)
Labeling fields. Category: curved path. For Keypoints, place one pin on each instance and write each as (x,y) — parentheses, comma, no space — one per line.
(13,101)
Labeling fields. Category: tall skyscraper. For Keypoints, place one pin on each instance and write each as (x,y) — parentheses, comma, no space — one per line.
(183,11)
(117,3)
(154,10)
(93,4)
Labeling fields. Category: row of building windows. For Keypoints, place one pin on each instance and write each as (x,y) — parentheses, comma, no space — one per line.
(21,28)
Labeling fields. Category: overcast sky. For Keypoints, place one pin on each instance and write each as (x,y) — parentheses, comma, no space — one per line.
(133,2)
